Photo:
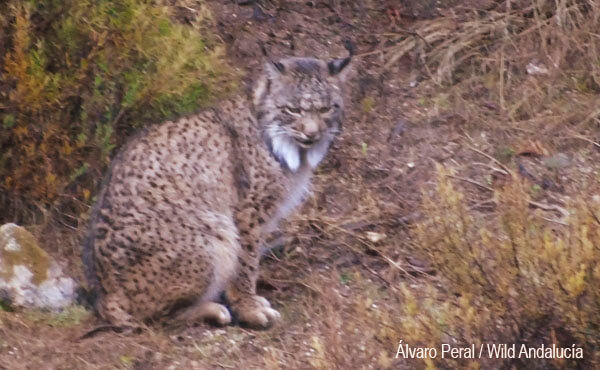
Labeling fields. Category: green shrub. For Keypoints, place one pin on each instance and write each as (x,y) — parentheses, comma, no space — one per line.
(78,77)
(519,280)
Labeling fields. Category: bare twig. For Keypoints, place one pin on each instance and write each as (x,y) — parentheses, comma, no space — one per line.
(388,48)
(594,216)
(471,182)
(412,33)
(550,207)
(494,169)
(482,203)
(580,137)
(560,222)
(491,158)
(594,115)
(396,265)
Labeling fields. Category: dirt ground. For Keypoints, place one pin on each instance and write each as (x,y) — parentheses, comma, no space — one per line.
(335,280)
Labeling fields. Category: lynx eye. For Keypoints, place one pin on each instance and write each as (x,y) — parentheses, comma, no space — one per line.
(292,111)
(324,110)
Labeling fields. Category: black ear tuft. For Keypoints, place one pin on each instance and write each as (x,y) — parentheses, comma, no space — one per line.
(335,66)
(349,46)
(263,49)
(280,67)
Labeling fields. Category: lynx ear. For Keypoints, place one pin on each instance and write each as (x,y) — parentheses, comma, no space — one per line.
(272,68)
(338,65)
(271,72)
(278,66)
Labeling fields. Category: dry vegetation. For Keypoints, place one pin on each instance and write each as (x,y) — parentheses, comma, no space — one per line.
(520,265)
(461,205)
(77,77)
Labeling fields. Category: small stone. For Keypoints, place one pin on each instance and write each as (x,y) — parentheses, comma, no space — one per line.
(375,237)
(416,262)
(536,69)
(29,277)
(399,129)
(557,161)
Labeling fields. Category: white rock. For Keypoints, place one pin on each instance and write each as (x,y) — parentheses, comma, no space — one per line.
(29,277)
(536,69)
(375,237)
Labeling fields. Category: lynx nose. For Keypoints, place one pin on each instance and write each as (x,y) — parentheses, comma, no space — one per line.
(312,135)
(311,130)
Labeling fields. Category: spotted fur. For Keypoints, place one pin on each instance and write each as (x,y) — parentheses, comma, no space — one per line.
(187,205)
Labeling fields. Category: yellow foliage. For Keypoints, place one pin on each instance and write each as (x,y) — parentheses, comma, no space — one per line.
(19,64)
(86,194)
(516,280)
(79,85)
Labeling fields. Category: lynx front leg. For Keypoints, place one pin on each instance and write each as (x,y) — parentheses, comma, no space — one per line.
(203,311)
(250,309)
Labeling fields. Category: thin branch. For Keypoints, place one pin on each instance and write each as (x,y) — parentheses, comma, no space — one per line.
(471,182)
(580,137)
(491,158)
(550,207)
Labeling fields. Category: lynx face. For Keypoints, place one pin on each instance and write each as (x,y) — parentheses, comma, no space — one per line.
(299,104)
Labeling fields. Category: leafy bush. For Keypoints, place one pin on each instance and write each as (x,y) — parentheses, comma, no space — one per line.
(78,77)
(520,280)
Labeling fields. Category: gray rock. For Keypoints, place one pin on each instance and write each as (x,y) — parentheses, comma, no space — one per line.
(557,161)
(29,277)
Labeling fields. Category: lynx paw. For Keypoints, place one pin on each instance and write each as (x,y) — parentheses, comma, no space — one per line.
(222,317)
(204,311)
(255,311)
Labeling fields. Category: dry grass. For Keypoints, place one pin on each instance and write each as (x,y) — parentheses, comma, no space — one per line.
(514,250)
(514,278)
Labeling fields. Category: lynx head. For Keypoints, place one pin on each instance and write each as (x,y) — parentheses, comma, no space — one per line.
(298,103)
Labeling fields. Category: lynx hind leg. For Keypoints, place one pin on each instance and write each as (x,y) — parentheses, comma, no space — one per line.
(111,308)
(203,311)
